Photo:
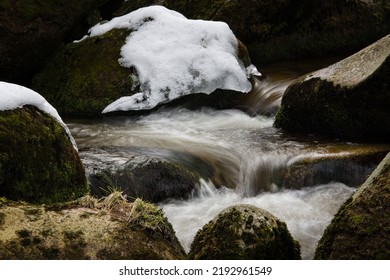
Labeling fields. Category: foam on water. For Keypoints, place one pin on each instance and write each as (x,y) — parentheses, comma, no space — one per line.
(306,212)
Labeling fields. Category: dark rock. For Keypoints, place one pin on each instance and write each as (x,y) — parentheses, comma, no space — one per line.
(109,229)
(244,232)
(38,162)
(85,77)
(282,29)
(348,99)
(31,31)
(361,228)
(150,179)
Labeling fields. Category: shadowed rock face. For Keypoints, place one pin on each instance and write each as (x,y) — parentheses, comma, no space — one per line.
(31,31)
(38,162)
(108,229)
(280,29)
(361,228)
(348,99)
(244,232)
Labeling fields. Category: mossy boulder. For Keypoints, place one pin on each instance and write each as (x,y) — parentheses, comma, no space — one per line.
(83,78)
(348,99)
(244,232)
(151,179)
(282,29)
(86,76)
(361,228)
(31,31)
(108,229)
(38,162)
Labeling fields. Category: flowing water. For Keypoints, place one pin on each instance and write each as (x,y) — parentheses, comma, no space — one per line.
(250,155)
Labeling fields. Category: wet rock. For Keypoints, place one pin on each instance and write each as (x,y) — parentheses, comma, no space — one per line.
(350,168)
(151,179)
(87,229)
(361,228)
(348,99)
(244,232)
(281,29)
(38,162)
(31,31)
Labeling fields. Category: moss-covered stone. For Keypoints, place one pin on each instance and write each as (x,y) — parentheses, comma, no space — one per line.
(38,163)
(85,77)
(348,99)
(244,232)
(151,179)
(110,229)
(31,31)
(361,228)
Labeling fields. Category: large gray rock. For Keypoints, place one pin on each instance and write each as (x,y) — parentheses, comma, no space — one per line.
(361,228)
(348,99)
(244,232)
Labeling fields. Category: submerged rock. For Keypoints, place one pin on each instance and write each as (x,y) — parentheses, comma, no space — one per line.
(361,228)
(87,229)
(38,162)
(348,99)
(244,232)
(150,179)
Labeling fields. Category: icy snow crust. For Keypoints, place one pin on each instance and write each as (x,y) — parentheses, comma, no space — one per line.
(175,56)
(13,96)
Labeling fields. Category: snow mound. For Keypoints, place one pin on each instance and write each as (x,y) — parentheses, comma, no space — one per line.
(174,56)
(14,96)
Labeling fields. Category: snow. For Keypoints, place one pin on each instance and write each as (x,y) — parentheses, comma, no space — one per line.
(14,96)
(174,56)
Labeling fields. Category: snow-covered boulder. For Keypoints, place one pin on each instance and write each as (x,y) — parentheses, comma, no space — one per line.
(348,99)
(274,30)
(244,232)
(39,161)
(144,59)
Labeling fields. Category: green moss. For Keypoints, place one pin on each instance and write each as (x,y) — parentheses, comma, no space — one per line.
(85,77)
(233,235)
(36,148)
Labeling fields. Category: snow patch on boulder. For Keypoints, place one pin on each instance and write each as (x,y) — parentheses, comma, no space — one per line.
(174,56)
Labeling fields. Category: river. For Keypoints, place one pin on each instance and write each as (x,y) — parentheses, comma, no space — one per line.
(250,154)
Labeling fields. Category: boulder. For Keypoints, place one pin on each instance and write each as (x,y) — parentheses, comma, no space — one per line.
(86,76)
(38,162)
(282,29)
(361,228)
(148,178)
(244,232)
(31,31)
(348,99)
(108,229)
